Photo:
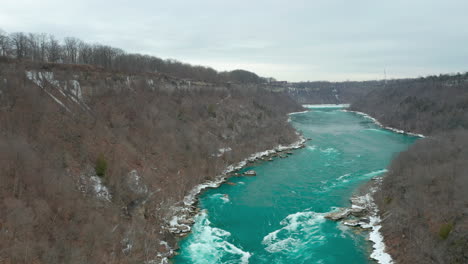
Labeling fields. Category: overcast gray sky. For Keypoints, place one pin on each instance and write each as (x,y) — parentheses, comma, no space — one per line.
(290,40)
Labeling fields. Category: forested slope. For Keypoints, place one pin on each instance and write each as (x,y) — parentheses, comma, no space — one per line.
(93,161)
(423,198)
(425,105)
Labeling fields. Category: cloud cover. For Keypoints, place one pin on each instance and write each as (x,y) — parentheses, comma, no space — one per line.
(292,40)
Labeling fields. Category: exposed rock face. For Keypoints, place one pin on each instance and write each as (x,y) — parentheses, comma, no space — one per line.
(362,208)
(159,137)
(338,215)
(351,222)
(250,173)
(331,92)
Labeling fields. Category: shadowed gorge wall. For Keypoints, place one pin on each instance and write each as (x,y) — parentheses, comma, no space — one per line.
(157,136)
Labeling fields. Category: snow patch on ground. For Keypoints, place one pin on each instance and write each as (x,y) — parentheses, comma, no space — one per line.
(135,184)
(100,189)
(221,151)
(126,245)
(163,257)
(91,184)
(399,131)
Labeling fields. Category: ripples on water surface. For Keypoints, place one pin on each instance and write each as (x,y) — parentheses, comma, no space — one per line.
(278,216)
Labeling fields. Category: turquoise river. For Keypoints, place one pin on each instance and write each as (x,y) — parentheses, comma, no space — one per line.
(278,216)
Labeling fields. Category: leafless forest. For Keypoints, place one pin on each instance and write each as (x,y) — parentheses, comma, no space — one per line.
(47,48)
(423,199)
(97,145)
(93,156)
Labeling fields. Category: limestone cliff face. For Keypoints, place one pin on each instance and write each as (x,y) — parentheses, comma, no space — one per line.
(93,161)
(331,92)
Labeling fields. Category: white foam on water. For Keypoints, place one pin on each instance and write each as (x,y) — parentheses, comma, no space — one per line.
(345,231)
(375,173)
(299,231)
(301,112)
(325,105)
(222,197)
(329,150)
(313,147)
(209,244)
(185,211)
(378,130)
(343,178)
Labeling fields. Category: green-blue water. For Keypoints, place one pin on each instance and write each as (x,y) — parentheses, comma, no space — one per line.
(278,216)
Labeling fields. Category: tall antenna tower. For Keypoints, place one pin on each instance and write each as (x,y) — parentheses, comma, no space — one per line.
(385,76)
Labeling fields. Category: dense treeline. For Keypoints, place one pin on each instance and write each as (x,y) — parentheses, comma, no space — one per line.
(148,140)
(47,48)
(423,197)
(424,201)
(424,105)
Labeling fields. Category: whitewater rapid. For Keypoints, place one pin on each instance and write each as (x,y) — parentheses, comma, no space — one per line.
(278,216)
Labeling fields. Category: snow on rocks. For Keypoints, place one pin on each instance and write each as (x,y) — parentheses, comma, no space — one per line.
(135,184)
(301,112)
(221,151)
(126,245)
(250,173)
(91,184)
(164,253)
(181,217)
(325,105)
(399,131)
(338,214)
(100,189)
(365,214)
(182,220)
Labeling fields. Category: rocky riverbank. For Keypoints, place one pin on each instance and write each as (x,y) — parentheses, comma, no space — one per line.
(364,213)
(183,216)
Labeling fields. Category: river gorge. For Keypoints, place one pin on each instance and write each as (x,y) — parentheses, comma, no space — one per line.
(278,216)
